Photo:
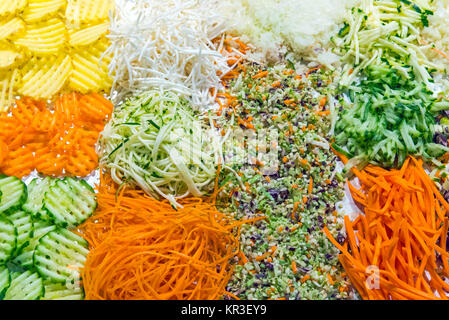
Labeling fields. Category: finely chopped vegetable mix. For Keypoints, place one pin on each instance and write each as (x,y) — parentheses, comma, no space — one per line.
(286,256)
(233,149)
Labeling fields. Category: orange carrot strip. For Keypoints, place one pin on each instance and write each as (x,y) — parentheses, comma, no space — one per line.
(141,248)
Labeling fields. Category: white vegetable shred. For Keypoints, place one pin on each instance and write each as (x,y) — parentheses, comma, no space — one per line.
(170,45)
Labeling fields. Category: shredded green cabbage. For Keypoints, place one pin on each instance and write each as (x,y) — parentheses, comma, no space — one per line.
(156,142)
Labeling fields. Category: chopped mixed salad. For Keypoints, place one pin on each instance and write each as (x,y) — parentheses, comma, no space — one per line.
(290,175)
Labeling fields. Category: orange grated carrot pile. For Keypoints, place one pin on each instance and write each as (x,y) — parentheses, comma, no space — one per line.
(142,249)
(57,142)
(397,249)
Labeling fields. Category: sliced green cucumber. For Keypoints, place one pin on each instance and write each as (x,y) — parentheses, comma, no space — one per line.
(25,286)
(36,192)
(8,239)
(14,193)
(5,281)
(40,228)
(59,291)
(24,225)
(59,254)
(70,202)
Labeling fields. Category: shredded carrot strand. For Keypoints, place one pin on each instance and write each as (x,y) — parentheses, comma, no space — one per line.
(141,248)
(403,227)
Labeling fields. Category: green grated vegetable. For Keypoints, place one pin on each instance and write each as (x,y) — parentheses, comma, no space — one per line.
(154,141)
(386,33)
(387,119)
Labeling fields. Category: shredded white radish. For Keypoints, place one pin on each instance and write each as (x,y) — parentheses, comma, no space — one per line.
(168,45)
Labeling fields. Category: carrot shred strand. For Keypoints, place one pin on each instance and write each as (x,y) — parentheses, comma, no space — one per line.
(401,234)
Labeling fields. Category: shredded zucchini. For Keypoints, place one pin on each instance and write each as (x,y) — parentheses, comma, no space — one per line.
(154,141)
(386,33)
(388,119)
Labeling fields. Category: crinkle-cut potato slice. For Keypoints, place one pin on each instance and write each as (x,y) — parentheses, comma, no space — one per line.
(8,7)
(90,68)
(43,77)
(39,9)
(44,38)
(8,58)
(88,34)
(87,11)
(8,82)
(11,27)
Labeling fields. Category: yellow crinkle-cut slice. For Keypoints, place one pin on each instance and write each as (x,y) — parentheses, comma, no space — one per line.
(10,27)
(44,77)
(38,9)
(90,70)
(8,81)
(44,38)
(87,35)
(8,58)
(86,11)
(8,7)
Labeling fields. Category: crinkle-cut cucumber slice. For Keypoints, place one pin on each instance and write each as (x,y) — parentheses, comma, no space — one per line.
(36,192)
(40,228)
(25,286)
(8,239)
(70,202)
(24,225)
(14,193)
(59,255)
(59,291)
(5,280)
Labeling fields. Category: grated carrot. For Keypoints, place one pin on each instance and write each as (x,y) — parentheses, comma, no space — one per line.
(260,75)
(403,226)
(142,249)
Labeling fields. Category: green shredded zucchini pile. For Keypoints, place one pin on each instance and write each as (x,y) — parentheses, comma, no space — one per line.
(156,142)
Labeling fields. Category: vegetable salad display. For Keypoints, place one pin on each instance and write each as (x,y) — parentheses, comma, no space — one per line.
(224,150)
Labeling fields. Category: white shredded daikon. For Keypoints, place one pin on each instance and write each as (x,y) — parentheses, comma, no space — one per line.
(168,45)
